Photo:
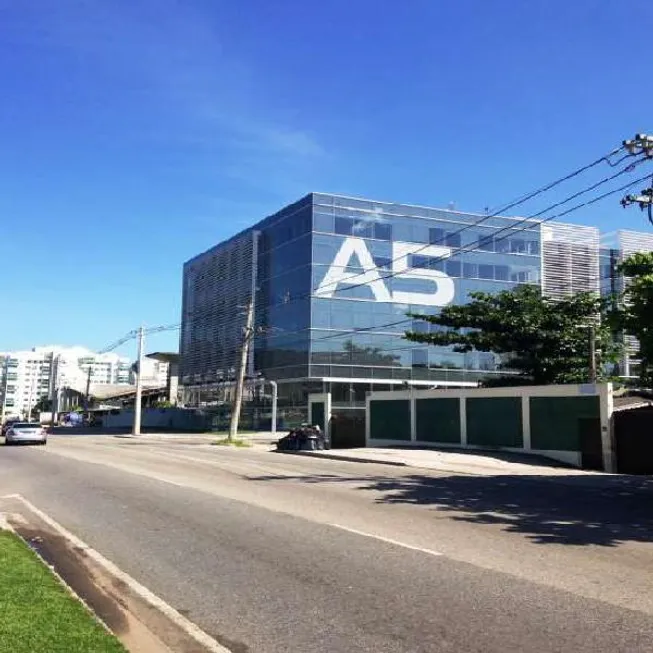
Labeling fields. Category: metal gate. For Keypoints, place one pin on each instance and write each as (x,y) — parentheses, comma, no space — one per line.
(591,448)
(347,428)
(633,431)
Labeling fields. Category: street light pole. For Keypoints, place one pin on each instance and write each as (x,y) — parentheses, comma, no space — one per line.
(136,430)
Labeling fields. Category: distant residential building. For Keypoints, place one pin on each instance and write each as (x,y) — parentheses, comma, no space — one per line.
(28,376)
(155,373)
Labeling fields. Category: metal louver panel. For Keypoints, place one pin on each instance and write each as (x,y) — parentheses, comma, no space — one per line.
(217,286)
(570,259)
(631,242)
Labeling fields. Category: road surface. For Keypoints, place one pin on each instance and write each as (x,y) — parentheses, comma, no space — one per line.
(274,553)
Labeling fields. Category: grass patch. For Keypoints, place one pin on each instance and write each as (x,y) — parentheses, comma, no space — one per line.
(37,611)
(225,442)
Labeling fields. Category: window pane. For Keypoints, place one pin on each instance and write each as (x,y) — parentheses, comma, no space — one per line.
(427,262)
(362,229)
(344,226)
(470,270)
(322,222)
(436,236)
(383,231)
(502,245)
(485,243)
(420,357)
(486,271)
(501,272)
(452,268)
(452,240)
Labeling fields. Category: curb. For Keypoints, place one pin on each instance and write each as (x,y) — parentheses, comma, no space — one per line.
(347,459)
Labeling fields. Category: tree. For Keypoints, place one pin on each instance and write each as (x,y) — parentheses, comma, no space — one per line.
(545,340)
(635,312)
(43,405)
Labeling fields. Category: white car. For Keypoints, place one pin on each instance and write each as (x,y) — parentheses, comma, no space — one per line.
(26,432)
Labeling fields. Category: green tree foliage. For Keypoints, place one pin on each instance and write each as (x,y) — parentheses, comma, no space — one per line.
(635,312)
(545,340)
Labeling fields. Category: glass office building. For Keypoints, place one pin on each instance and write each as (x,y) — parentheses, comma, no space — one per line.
(333,280)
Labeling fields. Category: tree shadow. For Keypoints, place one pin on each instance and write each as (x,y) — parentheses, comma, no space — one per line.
(574,510)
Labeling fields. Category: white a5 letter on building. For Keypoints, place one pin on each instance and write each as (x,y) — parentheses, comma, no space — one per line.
(337,274)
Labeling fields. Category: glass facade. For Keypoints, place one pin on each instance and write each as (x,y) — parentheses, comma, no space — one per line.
(334,279)
(357,333)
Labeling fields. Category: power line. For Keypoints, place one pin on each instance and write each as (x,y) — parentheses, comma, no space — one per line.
(571,175)
(558,215)
(512,204)
(510,228)
(525,198)
(121,341)
(511,232)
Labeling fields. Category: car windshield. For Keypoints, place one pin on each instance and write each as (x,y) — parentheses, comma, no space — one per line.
(26,425)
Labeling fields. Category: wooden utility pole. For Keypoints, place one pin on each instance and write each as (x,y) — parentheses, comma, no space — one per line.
(248,334)
(138,400)
(88,387)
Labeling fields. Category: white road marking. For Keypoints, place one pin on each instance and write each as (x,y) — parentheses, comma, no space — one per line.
(387,540)
(178,619)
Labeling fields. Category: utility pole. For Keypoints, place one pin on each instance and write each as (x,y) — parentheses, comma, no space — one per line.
(240,380)
(4,391)
(31,398)
(136,430)
(641,144)
(54,389)
(88,387)
(592,362)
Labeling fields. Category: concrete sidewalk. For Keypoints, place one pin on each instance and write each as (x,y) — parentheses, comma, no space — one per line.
(262,438)
(459,462)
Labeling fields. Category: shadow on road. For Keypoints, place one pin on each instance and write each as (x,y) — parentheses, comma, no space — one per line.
(574,510)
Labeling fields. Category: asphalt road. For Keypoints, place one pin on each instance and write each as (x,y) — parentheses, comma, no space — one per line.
(269,552)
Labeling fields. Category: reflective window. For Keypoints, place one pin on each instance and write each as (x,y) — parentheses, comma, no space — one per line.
(470,270)
(420,357)
(344,226)
(363,229)
(501,272)
(429,262)
(323,222)
(436,236)
(453,268)
(485,243)
(486,271)
(383,231)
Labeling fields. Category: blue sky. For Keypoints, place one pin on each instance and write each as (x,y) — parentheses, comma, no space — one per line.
(134,134)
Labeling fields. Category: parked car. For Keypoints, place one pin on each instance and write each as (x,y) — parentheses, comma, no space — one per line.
(27,432)
(7,425)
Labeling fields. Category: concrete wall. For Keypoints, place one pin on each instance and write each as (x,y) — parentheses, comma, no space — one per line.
(533,419)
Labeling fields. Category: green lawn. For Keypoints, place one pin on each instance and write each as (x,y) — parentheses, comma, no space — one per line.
(37,614)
